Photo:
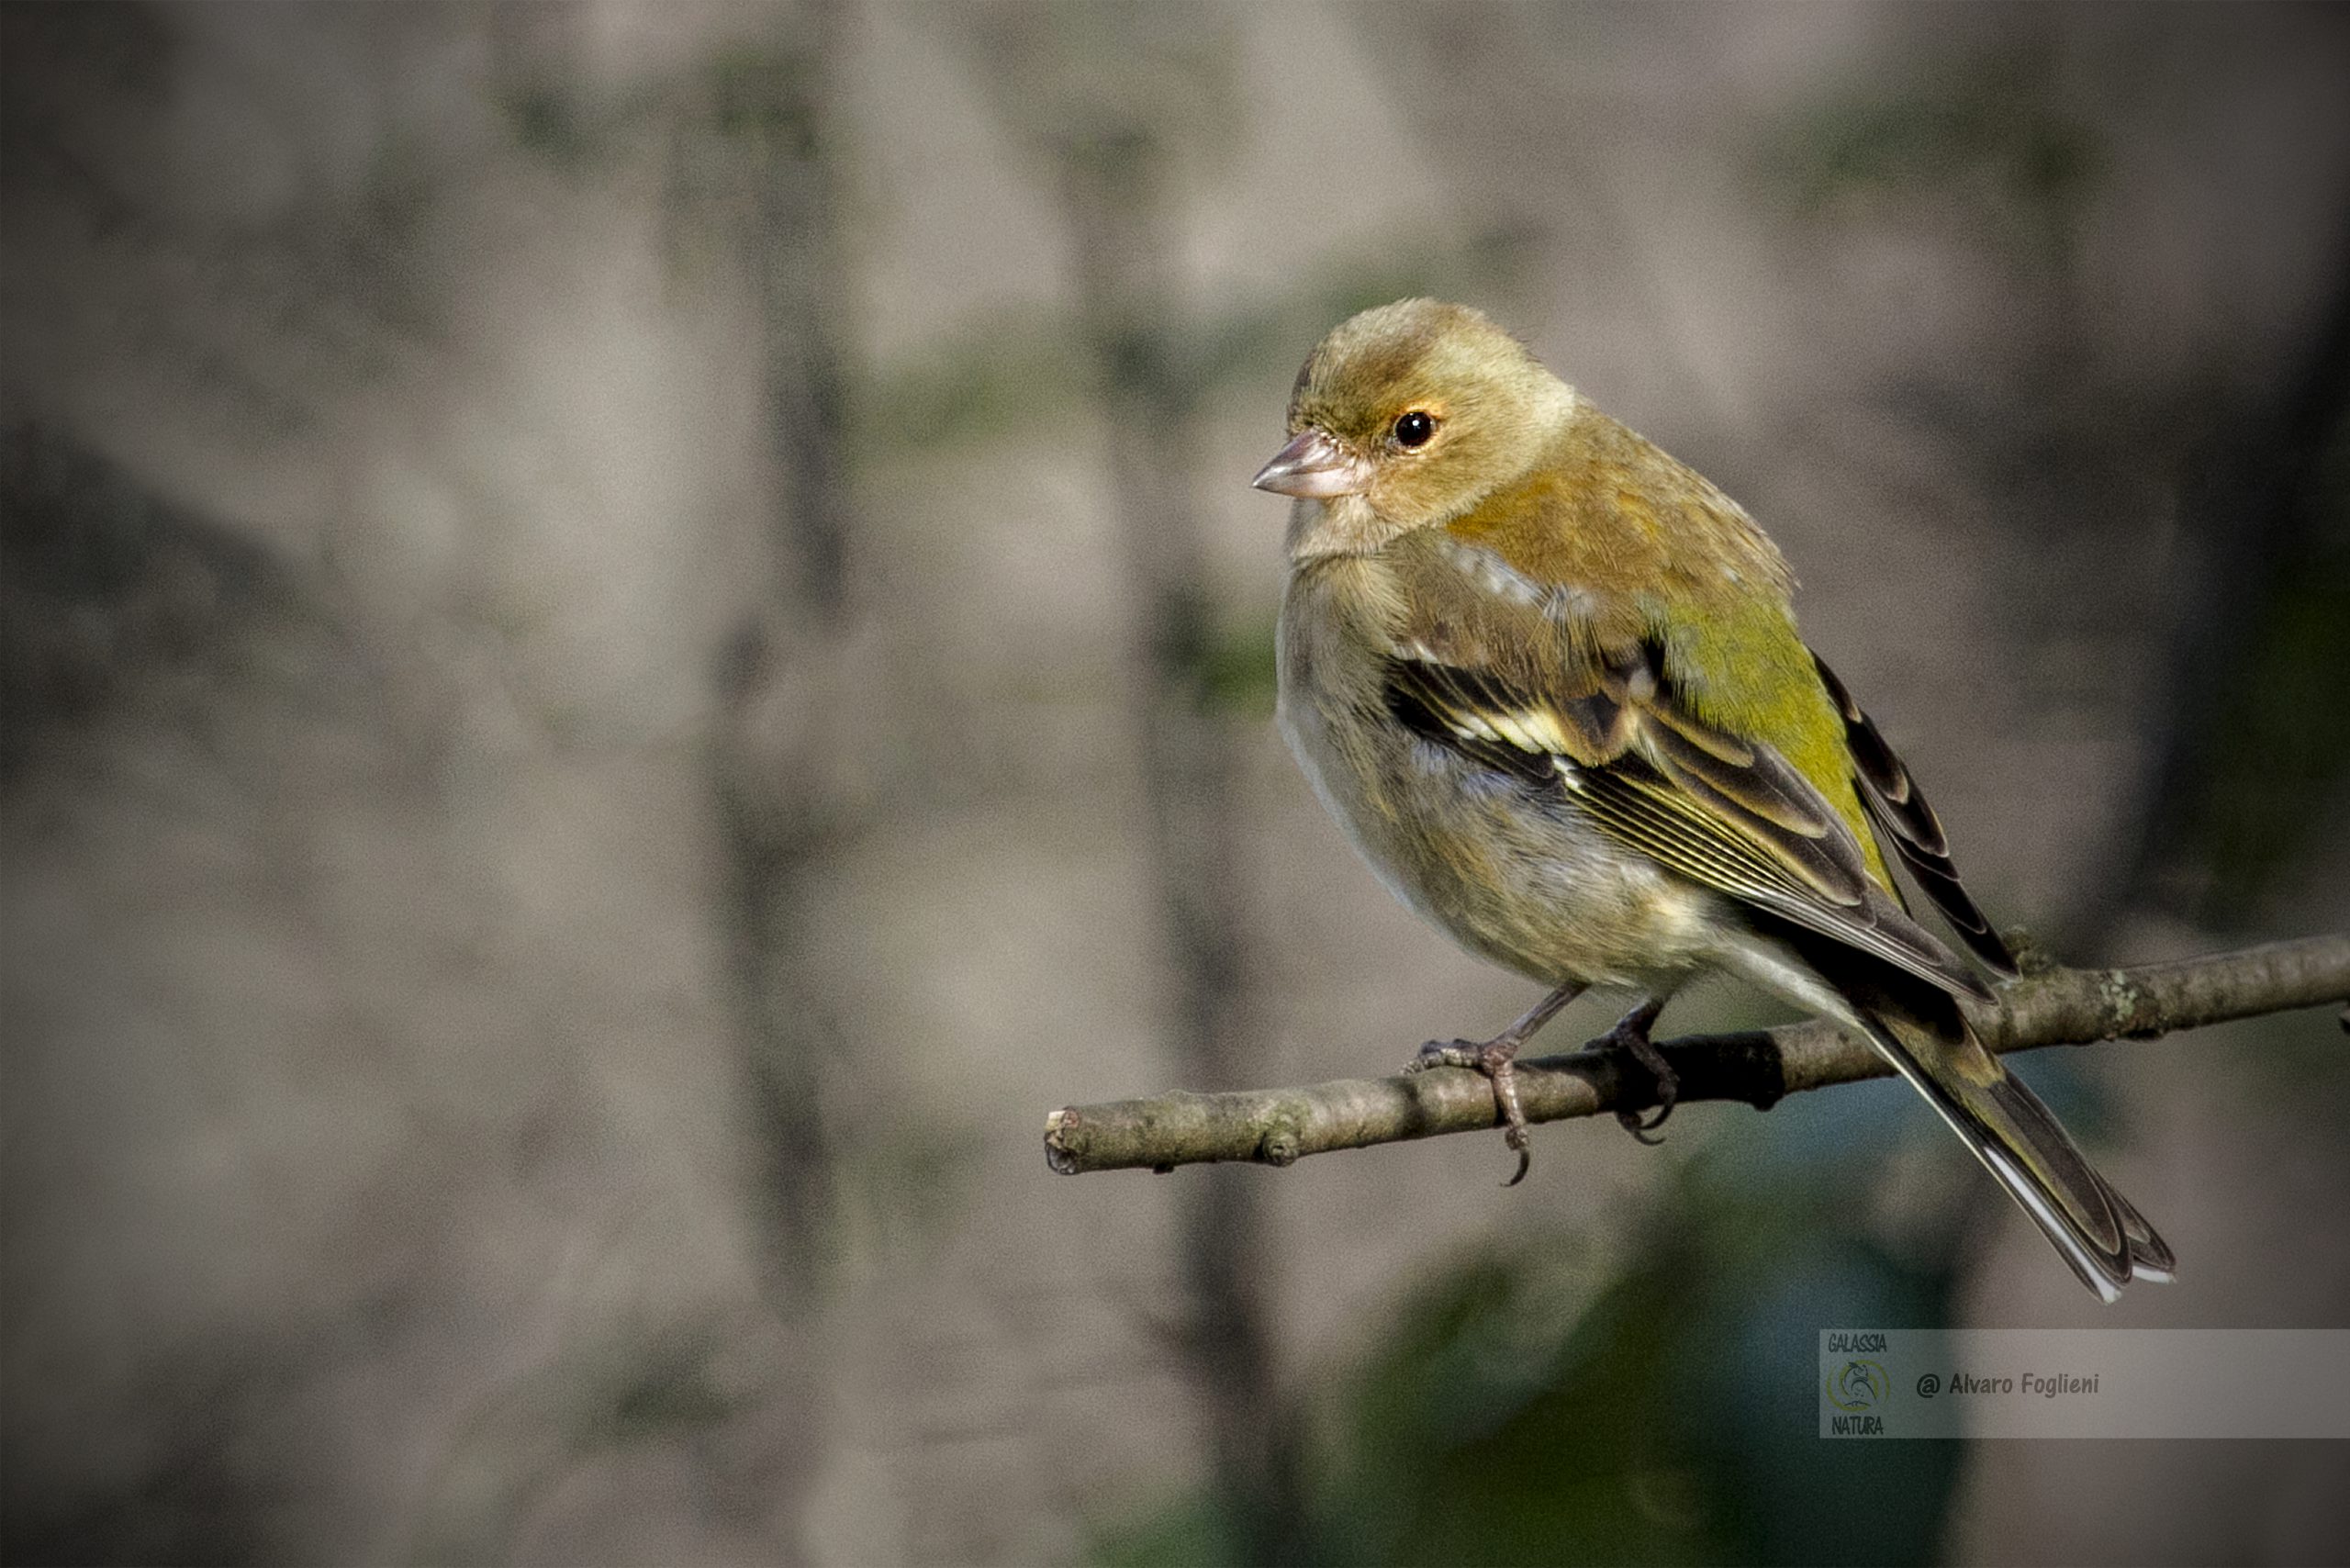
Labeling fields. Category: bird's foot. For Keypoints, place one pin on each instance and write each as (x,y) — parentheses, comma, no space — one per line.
(1630,1035)
(1495,1059)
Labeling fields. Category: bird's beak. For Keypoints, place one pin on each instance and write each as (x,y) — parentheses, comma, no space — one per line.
(1313,466)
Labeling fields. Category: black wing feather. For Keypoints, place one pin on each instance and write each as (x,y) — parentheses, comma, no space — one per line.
(1898,808)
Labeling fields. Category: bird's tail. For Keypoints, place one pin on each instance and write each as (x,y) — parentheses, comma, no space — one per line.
(1922,1031)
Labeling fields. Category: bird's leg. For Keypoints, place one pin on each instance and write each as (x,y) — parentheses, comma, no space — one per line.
(1496,1058)
(1631,1035)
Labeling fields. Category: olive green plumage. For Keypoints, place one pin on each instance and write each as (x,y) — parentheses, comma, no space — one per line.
(1551,681)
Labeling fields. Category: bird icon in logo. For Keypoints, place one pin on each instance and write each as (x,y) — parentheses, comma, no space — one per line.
(1857,1385)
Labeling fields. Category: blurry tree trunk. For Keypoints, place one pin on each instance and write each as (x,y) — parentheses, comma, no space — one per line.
(769,108)
(1113,187)
(775,675)
(781,105)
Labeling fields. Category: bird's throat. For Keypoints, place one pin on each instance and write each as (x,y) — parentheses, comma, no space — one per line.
(1343,525)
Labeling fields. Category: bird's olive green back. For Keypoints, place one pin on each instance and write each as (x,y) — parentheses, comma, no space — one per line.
(1627,545)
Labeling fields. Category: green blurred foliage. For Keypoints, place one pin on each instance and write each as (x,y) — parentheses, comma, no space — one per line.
(1531,1404)
(2282,749)
(1480,1433)
(769,96)
(1237,671)
(553,124)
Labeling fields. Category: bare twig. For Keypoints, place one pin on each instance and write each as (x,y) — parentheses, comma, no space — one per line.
(2053,1007)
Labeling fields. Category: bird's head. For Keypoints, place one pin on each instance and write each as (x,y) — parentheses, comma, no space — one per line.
(1406,416)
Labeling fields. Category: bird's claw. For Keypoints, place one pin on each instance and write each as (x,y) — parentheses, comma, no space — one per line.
(1515,1137)
(1493,1059)
(1460,1053)
(1643,1130)
(1630,1035)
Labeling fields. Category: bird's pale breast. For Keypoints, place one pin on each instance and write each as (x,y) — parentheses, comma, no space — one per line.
(1512,872)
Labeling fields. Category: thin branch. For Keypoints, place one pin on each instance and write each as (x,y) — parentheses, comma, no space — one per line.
(2053,1007)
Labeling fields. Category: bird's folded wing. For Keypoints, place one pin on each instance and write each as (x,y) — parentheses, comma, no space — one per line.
(1730,813)
(1916,833)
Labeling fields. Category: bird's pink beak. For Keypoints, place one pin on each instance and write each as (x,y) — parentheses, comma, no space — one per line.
(1313,466)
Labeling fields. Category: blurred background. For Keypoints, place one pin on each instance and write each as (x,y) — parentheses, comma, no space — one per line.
(632,635)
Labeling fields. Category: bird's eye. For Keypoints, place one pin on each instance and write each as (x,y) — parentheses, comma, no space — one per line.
(1415,427)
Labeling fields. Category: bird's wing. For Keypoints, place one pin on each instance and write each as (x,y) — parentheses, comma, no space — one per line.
(1607,730)
(1916,833)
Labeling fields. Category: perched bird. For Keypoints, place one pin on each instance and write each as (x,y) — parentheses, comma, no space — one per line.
(1549,681)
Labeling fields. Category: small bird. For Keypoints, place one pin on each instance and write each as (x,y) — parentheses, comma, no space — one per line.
(1548,679)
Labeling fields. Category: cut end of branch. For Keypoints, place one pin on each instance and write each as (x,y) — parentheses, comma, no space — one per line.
(1065,1141)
